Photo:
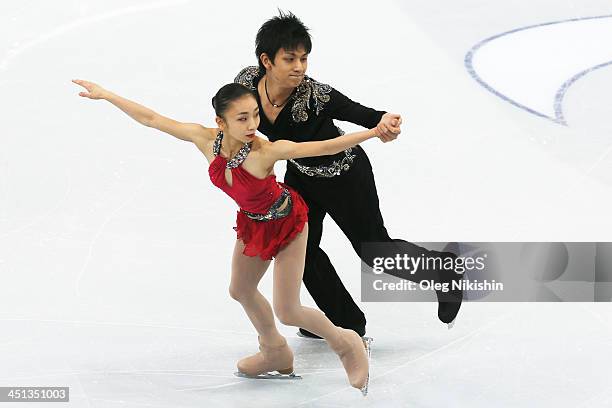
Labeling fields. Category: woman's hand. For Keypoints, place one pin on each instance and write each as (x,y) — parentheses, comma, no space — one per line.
(192,132)
(94,91)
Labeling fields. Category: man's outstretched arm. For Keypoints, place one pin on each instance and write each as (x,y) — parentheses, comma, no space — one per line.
(343,108)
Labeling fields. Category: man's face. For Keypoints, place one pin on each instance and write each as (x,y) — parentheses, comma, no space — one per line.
(289,66)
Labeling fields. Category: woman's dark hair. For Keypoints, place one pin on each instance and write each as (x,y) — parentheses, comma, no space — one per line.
(283,31)
(228,94)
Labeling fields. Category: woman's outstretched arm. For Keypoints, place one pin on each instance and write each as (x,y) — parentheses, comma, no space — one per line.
(285,149)
(191,132)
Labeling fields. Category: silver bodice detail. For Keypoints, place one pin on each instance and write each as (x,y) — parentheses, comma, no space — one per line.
(274,213)
(238,158)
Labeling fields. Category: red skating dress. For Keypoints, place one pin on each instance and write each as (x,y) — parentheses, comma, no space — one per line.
(259,224)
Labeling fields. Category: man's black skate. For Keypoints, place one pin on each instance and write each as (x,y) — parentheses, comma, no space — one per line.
(308,335)
(449,302)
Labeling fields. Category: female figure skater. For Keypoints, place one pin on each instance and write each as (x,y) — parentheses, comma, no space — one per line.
(272,222)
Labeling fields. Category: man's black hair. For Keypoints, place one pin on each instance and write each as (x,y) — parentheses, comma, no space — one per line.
(283,31)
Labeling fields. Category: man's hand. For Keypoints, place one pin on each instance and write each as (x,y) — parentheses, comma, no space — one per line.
(389,127)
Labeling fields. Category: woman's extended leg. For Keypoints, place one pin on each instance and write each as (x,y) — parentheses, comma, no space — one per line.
(288,271)
(247,271)
(274,353)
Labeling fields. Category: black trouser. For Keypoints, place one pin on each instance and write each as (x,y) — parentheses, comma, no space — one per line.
(351,200)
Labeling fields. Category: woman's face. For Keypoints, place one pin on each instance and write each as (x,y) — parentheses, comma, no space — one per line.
(241,119)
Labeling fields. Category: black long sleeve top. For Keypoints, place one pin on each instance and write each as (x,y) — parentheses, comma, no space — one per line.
(309,113)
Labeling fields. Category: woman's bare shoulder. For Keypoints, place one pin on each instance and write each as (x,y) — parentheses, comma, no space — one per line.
(205,135)
(262,145)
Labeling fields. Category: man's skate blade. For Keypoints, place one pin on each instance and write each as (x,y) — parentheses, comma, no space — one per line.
(299,334)
(269,376)
(302,335)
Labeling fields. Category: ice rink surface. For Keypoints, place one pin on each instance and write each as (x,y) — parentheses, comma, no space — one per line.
(115,246)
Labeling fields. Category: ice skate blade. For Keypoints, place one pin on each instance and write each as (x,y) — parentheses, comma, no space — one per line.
(367,341)
(451,324)
(299,334)
(269,376)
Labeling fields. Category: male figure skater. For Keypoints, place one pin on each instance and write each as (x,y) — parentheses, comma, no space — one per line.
(298,108)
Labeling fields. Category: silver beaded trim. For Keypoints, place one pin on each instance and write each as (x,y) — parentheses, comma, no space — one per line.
(246,77)
(273,213)
(238,158)
(306,89)
(328,171)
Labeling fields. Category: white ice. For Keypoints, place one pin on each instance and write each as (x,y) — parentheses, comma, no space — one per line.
(115,247)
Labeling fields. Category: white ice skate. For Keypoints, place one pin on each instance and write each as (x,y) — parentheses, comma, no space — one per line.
(368,346)
(270,363)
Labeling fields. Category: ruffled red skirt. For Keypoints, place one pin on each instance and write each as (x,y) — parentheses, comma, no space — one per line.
(266,238)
